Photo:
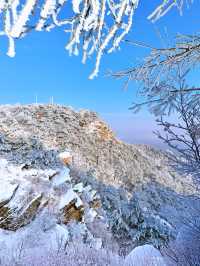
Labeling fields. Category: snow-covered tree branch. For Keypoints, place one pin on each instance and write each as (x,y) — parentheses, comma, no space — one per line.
(162,62)
(94,26)
(181,132)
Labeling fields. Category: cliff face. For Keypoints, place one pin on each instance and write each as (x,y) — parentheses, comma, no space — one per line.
(68,166)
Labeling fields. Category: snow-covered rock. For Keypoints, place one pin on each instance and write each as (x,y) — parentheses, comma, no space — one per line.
(61,177)
(79,187)
(145,255)
(70,197)
(7,191)
(66,157)
(30,195)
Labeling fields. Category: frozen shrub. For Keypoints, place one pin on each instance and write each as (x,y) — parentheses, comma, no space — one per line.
(129,221)
(74,255)
(185,251)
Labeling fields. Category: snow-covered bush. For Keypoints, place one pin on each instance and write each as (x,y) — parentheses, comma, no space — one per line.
(75,254)
(145,255)
(128,220)
(185,250)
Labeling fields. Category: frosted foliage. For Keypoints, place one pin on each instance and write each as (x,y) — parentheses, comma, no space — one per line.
(93,26)
(74,254)
(167,5)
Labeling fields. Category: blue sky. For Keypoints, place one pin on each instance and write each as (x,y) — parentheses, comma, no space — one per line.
(42,67)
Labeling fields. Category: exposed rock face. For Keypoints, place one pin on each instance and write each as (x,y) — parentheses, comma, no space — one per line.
(31,192)
(69,164)
(10,220)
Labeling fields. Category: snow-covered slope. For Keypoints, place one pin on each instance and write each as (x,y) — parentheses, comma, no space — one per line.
(34,134)
(65,172)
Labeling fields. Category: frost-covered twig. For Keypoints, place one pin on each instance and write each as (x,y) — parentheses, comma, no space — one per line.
(95,26)
(166,6)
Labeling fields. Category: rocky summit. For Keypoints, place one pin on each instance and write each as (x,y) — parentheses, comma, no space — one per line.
(65,176)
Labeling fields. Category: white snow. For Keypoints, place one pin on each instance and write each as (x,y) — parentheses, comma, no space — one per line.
(65,155)
(18,27)
(88,188)
(91,214)
(47,10)
(34,238)
(62,177)
(6,190)
(98,243)
(44,231)
(143,256)
(7,187)
(78,187)
(68,198)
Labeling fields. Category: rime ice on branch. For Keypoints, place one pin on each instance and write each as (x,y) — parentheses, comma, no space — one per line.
(94,26)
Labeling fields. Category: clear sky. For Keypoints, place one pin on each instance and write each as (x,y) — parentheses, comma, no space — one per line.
(42,67)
